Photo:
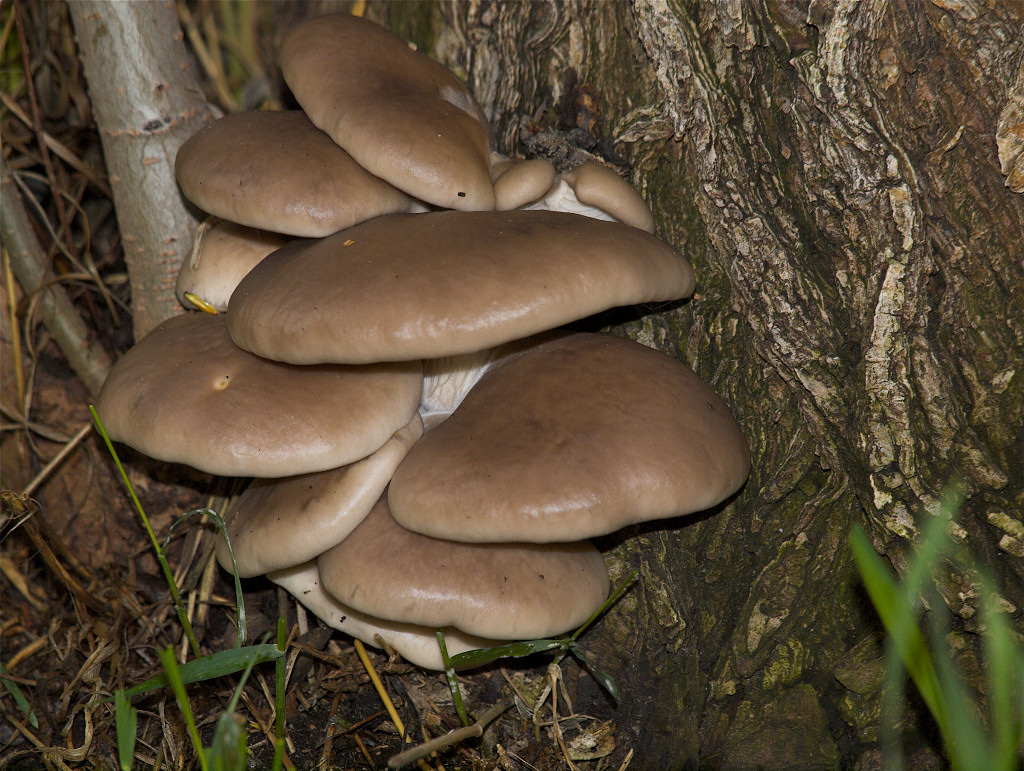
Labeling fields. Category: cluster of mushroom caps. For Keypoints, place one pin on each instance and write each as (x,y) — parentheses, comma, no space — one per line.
(386,272)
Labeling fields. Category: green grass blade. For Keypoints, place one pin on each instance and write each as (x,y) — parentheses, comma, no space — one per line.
(603,679)
(178,686)
(208,667)
(175,595)
(237,694)
(279,685)
(899,618)
(530,647)
(453,680)
(966,742)
(612,599)
(892,708)
(970,743)
(126,721)
(19,698)
(239,602)
(932,545)
(229,751)
(514,650)
(1005,678)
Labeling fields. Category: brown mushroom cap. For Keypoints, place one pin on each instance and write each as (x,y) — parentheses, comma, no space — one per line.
(224,252)
(416,644)
(572,439)
(518,182)
(279,523)
(445,283)
(401,115)
(502,591)
(279,172)
(600,187)
(186,394)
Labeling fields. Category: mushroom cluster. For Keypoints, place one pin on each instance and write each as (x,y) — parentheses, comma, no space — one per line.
(429,450)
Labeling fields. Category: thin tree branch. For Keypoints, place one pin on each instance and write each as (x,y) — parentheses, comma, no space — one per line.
(88,360)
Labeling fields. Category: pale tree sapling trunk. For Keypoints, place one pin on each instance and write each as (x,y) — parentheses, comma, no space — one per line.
(147,103)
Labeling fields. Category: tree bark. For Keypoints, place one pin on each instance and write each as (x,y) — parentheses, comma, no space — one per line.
(147,104)
(832,171)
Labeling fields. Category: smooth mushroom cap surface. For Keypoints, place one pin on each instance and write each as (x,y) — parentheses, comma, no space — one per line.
(598,186)
(401,115)
(506,591)
(279,523)
(518,182)
(440,284)
(277,171)
(572,439)
(223,253)
(186,394)
(416,644)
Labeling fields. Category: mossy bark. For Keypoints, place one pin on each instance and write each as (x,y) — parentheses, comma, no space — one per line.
(842,176)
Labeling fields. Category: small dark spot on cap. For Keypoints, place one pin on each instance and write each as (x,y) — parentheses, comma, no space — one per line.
(153,125)
(462,195)
(541,576)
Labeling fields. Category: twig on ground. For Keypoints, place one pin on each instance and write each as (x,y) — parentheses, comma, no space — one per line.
(388,704)
(14,330)
(25,508)
(60,456)
(450,738)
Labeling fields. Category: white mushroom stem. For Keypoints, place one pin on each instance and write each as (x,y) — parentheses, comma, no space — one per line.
(594,191)
(223,253)
(561,197)
(418,207)
(447,380)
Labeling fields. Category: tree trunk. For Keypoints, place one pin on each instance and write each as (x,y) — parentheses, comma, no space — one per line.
(832,171)
(147,104)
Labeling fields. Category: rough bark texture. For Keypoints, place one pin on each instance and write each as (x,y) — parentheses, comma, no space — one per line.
(832,171)
(147,104)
